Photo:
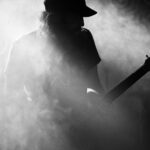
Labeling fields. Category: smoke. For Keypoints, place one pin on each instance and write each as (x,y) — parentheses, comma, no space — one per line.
(121,31)
(121,40)
(17,18)
(42,120)
(77,122)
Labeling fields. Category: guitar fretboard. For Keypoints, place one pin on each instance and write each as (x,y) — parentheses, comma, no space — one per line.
(125,84)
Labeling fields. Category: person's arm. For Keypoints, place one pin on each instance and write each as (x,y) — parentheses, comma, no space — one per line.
(15,74)
(94,60)
(95,82)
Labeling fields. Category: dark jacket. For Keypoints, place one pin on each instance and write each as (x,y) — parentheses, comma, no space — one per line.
(79,49)
(39,53)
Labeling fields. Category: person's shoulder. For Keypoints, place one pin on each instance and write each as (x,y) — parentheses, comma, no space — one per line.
(28,38)
(87,33)
(27,43)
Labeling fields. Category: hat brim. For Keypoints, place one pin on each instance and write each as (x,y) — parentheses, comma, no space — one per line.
(84,11)
(87,12)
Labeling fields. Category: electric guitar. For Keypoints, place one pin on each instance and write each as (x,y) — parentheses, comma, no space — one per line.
(128,82)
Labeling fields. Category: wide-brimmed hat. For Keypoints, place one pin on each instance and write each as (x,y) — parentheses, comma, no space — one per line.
(76,6)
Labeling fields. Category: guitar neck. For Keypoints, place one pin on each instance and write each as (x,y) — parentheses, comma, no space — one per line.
(125,84)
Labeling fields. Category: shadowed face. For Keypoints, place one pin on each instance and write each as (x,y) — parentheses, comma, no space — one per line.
(71,22)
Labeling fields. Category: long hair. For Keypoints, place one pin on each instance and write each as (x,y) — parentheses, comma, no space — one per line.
(52,20)
(44,18)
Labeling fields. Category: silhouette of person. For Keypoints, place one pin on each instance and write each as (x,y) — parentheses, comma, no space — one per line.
(36,65)
(63,30)
(64,19)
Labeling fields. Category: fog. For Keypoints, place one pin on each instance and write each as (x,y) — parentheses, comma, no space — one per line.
(38,122)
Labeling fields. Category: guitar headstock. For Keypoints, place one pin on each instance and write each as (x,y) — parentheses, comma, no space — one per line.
(147,63)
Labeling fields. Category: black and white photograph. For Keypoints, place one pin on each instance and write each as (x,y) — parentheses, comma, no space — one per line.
(74,75)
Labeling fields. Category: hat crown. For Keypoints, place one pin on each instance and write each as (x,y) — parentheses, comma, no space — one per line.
(62,4)
(78,6)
